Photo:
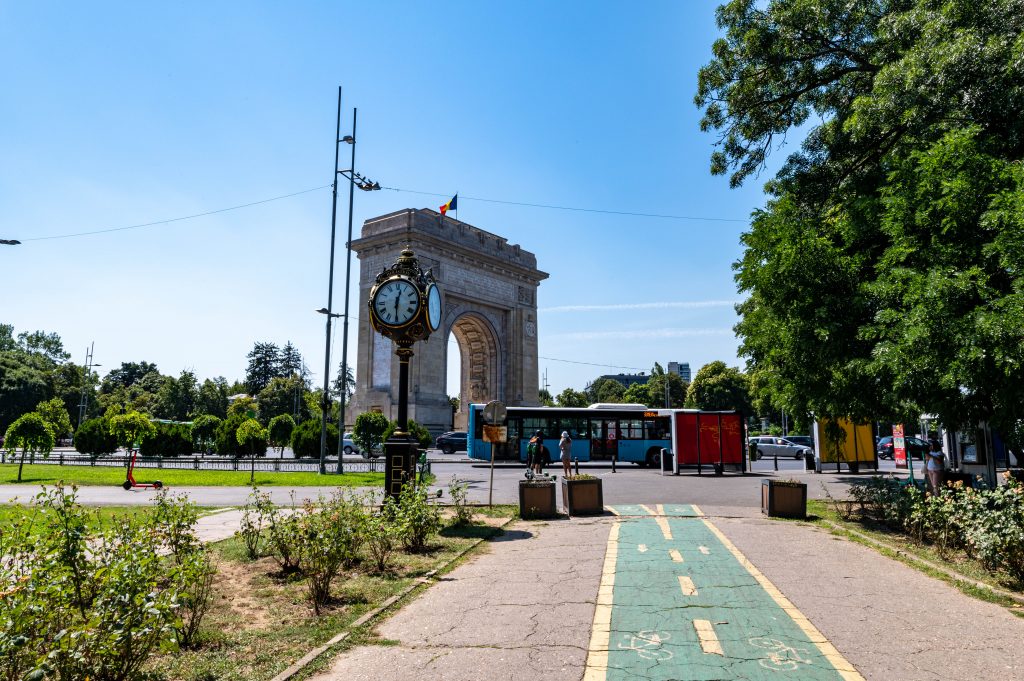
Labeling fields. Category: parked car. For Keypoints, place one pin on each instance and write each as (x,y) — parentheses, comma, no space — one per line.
(349,446)
(804,440)
(916,447)
(452,441)
(771,446)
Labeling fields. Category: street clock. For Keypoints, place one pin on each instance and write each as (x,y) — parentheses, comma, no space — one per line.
(405,301)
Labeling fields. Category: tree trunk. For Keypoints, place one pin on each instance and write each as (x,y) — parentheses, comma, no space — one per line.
(252,468)
(22,462)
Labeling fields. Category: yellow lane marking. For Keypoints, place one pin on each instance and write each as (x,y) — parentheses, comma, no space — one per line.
(659,517)
(696,509)
(687,586)
(600,633)
(612,509)
(709,642)
(845,669)
(676,556)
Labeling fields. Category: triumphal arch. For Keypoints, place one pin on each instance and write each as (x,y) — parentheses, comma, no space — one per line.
(489,289)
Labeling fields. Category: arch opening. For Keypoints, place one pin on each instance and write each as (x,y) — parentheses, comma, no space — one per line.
(477,355)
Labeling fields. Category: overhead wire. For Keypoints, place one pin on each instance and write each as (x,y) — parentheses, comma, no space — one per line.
(663,216)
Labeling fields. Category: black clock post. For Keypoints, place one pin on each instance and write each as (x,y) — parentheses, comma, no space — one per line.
(404,306)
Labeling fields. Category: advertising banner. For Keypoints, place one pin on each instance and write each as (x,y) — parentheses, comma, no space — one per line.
(899,446)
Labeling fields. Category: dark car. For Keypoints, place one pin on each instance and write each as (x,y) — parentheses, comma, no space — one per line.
(916,447)
(454,441)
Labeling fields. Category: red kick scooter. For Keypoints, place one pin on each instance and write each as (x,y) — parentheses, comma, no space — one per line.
(130,481)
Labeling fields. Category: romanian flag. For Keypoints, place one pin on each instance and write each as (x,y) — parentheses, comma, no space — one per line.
(451,205)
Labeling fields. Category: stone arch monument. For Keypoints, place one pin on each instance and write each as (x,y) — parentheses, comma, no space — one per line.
(489,292)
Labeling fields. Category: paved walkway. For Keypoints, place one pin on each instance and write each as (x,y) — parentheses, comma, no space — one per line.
(768,600)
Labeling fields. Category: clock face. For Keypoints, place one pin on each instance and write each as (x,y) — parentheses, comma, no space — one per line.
(434,308)
(396,302)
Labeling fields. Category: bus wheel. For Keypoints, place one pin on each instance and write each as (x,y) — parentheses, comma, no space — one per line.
(652,459)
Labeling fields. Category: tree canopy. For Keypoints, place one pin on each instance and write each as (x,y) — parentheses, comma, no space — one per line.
(883,276)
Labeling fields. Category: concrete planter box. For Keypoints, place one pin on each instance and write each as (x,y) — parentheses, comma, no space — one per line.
(537,499)
(784,499)
(583,497)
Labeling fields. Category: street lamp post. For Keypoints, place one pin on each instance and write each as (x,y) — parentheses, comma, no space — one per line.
(325,402)
(354,180)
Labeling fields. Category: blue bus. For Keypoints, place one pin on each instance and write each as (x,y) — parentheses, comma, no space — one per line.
(626,432)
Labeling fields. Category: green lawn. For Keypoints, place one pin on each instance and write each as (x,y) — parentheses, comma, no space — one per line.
(49,474)
(100,516)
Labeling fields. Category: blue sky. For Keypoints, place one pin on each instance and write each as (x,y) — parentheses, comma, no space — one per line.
(116,114)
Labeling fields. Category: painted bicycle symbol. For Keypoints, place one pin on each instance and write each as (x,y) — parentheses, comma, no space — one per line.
(781,657)
(647,644)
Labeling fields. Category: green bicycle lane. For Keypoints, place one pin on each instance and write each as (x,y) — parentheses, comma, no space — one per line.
(685,604)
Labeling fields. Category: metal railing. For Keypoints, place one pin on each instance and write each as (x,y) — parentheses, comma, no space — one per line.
(201,463)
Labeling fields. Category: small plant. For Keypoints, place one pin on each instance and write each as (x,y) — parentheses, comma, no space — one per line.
(327,544)
(382,537)
(250,529)
(417,518)
(584,476)
(195,594)
(173,520)
(459,493)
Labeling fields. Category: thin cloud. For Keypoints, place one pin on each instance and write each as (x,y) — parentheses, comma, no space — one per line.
(690,304)
(649,334)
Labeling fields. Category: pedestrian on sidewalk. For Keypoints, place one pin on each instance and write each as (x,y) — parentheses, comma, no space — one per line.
(565,447)
(934,467)
(535,453)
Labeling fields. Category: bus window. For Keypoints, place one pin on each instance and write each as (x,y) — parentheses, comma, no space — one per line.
(631,429)
(657,429)
(576,426)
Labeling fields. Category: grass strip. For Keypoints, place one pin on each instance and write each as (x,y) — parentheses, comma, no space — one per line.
(388,605)
(89,476)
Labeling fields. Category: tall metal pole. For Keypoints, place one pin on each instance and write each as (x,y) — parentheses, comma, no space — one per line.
(82,403)
(326,402)
(348,277)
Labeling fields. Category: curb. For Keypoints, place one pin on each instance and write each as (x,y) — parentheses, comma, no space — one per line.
(427,579)
(949,572)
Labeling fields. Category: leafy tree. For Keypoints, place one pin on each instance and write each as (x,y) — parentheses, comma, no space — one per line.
(178,399)
(677,389)
(718,387)
(281,396)
(242,406)
(168,439)
(544,398)
(23,384)
(93,437)
(30,433)
(48,345)
(56,416)
(227,438)
(250,435)
(264,364)
(572,398)
(204,433)
(306,439)
(369,429)
(638,393)
(127,375)
(418,432)
(605,390)
(212,397)
(280,431)
(131,429)
(904,196)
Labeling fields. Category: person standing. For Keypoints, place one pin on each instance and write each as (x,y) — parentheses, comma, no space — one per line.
(535,453)
(934,467)
(565,448)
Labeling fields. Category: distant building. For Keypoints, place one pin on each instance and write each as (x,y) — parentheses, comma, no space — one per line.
(629,379)
(682,370)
